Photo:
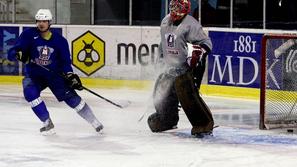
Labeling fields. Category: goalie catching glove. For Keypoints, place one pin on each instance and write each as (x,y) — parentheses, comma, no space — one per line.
(74,81)
(197,55)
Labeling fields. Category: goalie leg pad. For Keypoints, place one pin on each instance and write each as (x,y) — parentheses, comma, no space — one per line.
(159,123)
(193,105)
(166,105)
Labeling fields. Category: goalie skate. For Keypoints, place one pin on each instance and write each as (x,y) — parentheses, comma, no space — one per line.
(201,132)
(48,128)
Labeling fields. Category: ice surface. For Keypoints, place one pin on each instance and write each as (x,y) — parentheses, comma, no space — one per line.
(127,142)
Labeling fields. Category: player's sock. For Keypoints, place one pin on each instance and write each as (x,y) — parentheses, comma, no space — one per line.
(39,108)
(84,111)
(88,115)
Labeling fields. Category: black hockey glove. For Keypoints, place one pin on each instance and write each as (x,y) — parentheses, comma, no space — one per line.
(74,81)
(22,57)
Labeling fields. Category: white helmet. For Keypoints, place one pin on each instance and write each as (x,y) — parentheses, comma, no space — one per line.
(44,14)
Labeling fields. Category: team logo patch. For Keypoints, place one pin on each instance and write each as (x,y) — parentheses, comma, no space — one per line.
(170,39)
(44,55)
(88,53)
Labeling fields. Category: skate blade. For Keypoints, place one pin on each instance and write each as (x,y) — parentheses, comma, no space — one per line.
(50,132)
(203,135)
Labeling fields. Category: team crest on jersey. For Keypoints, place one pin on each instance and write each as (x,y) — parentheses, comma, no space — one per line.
(44,55)
(171,45)
(170,39)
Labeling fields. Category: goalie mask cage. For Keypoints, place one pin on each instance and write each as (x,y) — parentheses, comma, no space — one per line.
(278,92)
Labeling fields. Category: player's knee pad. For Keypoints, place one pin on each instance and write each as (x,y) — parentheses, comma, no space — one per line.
(75,102)
(31,93)
(159,123)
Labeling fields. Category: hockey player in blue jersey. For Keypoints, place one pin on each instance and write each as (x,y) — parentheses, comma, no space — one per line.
(40,46)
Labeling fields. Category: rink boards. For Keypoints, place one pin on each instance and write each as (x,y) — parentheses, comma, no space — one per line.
(209,90)
(127,57)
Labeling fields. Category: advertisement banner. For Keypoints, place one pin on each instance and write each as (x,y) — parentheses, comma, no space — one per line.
(235,59)
(8,36)
(114,52)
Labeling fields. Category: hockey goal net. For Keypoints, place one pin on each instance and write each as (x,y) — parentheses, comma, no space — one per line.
(278,108)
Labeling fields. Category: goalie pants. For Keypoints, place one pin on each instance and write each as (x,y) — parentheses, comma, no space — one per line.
(169,91)
(166,105)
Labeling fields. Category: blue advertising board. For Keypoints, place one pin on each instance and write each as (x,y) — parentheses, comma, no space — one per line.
(8,36)
(235,59)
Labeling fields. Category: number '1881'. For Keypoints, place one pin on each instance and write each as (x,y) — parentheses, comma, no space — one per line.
(244,44)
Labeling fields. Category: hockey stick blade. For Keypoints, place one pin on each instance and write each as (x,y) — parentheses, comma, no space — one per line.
(140,119)
(122,103)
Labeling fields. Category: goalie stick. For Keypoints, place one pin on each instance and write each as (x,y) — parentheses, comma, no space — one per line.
(87,89)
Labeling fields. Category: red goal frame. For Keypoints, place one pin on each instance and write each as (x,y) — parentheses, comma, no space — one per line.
(264,74)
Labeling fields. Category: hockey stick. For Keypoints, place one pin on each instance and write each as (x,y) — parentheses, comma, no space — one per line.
(87,89)
(96,94)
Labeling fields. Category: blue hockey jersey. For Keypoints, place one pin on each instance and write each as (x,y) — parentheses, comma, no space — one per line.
(53,53)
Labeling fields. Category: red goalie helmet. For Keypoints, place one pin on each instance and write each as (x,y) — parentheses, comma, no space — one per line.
(179,8)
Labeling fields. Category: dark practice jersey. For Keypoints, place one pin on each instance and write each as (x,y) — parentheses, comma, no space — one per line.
(53,53)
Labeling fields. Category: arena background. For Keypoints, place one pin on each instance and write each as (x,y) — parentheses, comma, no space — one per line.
(125,36)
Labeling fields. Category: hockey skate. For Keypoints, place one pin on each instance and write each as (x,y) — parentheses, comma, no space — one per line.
(99,128)
(97,125)
(48,128)
(201,131)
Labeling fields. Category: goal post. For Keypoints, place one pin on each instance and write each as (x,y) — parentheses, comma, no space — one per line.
(278,90)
